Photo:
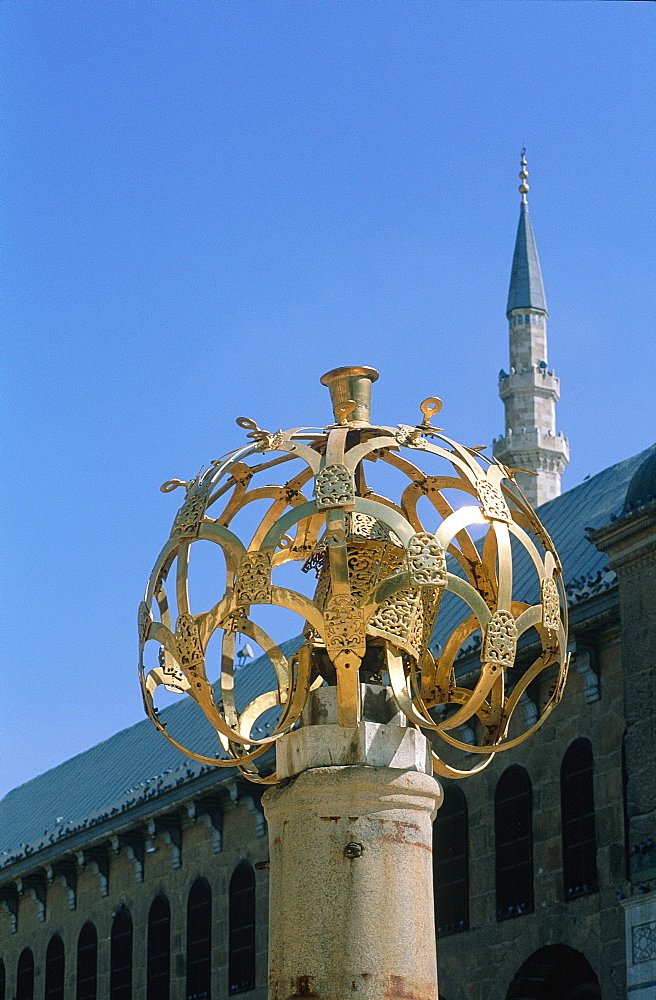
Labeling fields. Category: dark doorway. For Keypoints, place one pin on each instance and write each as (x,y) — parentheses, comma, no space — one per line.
(555,973)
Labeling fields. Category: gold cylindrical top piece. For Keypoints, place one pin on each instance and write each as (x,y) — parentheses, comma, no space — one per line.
(350,393)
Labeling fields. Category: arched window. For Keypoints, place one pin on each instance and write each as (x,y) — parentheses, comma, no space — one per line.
(55,969)
(3,980)
(120,956)
(25,975)
(199,941)
(241,955)
(451,864)
(159,950)
(87,963)
(578,821)
(513,829)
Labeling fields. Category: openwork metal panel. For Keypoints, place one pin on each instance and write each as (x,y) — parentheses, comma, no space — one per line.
(87,963)
(578,821)
(513,831)
(241,954)
(383,565)
(199,941)
(55,968)
(451,864)
(158,964)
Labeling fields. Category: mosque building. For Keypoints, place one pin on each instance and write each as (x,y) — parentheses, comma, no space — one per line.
(130,871)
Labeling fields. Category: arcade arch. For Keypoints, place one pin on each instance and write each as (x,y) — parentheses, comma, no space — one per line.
(555,972)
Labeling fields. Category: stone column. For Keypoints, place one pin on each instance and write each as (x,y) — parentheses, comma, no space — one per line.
(350,830)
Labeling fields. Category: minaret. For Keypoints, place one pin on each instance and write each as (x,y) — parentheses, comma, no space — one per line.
(531,390)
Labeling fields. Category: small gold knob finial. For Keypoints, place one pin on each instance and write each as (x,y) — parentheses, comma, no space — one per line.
(429,408)
(523,175)
(350,392)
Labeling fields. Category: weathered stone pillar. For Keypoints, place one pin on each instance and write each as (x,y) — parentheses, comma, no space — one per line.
(350,830)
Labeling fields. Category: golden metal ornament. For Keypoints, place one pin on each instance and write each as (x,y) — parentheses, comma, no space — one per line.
(383,570)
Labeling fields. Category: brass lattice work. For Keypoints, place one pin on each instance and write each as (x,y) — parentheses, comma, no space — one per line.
(381,576)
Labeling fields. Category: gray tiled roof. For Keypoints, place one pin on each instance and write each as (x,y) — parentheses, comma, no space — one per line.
(137,764)
(526,288)
(591,504)
(567,518)
(132,766)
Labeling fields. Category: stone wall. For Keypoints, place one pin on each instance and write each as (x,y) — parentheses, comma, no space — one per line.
(480,964)
(240,843)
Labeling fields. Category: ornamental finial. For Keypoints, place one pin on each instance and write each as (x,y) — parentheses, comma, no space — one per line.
(383,565)
(523,175)
(350,392)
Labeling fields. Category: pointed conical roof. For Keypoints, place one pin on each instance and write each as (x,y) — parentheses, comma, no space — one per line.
(526,288)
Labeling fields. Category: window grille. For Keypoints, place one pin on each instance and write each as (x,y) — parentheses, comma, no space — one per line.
(513,828)
(25,975)
(55,969)
(120,956)
(199,941)
(578,821)
(241,959)
(87,963)
(451,864)
(159,950)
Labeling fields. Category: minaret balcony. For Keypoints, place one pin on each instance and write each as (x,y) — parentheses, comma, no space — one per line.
(530,440)
(539,381)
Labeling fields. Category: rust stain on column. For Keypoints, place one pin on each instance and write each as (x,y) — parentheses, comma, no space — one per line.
(303,989)
(401,988)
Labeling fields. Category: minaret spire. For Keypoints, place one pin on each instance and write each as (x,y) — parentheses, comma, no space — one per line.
(526,288)
(531,390)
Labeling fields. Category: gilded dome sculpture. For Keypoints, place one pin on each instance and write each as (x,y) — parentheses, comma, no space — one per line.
(383,566)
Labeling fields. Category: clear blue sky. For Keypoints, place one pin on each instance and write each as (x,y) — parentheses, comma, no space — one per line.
(208,204)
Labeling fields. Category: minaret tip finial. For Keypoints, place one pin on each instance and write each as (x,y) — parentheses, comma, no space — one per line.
(523,175)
